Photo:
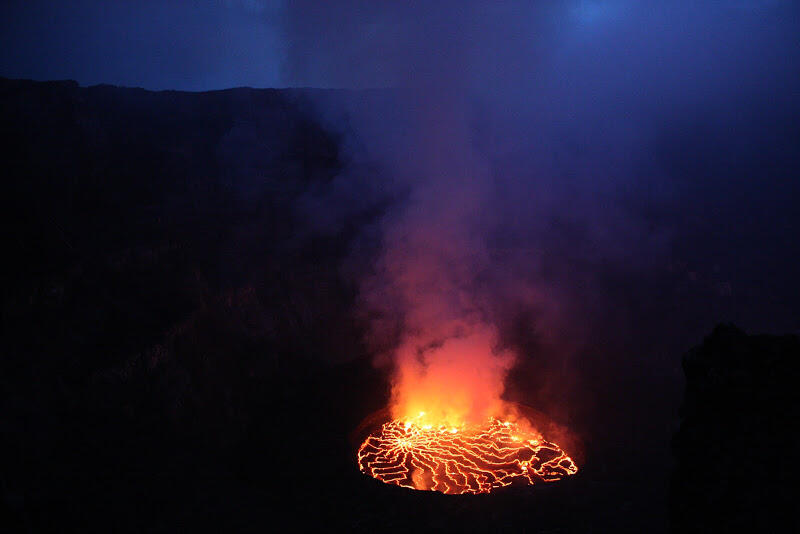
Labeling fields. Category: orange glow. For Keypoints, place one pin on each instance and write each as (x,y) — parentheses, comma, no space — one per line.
(474,458)
(451,383)
(450,430)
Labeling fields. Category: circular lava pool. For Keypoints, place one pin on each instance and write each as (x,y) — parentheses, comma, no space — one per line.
(475,458)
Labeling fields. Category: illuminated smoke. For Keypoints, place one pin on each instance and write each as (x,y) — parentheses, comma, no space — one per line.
(448,362)
(522,159)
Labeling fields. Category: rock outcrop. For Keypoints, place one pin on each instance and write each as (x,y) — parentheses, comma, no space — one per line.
(736,446)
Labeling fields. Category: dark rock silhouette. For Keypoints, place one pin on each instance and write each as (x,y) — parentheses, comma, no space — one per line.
(159,315)
(737,442)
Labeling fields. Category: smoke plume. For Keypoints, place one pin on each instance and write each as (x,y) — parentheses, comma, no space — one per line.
(516,153)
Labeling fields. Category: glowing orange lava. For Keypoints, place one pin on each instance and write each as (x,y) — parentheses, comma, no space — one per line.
(464,459)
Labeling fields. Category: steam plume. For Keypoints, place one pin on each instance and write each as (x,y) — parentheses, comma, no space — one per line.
(514,156)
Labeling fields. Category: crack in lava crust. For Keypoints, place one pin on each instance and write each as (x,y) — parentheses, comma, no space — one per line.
(467,459)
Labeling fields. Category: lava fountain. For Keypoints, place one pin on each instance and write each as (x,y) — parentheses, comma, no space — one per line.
(469,441)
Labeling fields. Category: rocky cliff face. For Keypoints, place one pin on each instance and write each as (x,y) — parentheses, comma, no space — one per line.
(159,308)
(737,441)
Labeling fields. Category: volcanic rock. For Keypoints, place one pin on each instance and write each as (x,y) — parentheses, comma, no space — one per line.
(736,443)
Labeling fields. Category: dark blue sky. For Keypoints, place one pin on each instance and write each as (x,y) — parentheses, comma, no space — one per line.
(212,44)
(155,44)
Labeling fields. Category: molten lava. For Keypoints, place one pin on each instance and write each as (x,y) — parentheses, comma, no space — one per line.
(464,459)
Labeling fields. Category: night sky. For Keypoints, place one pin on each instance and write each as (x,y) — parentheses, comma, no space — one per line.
(189,45)
(197,45)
